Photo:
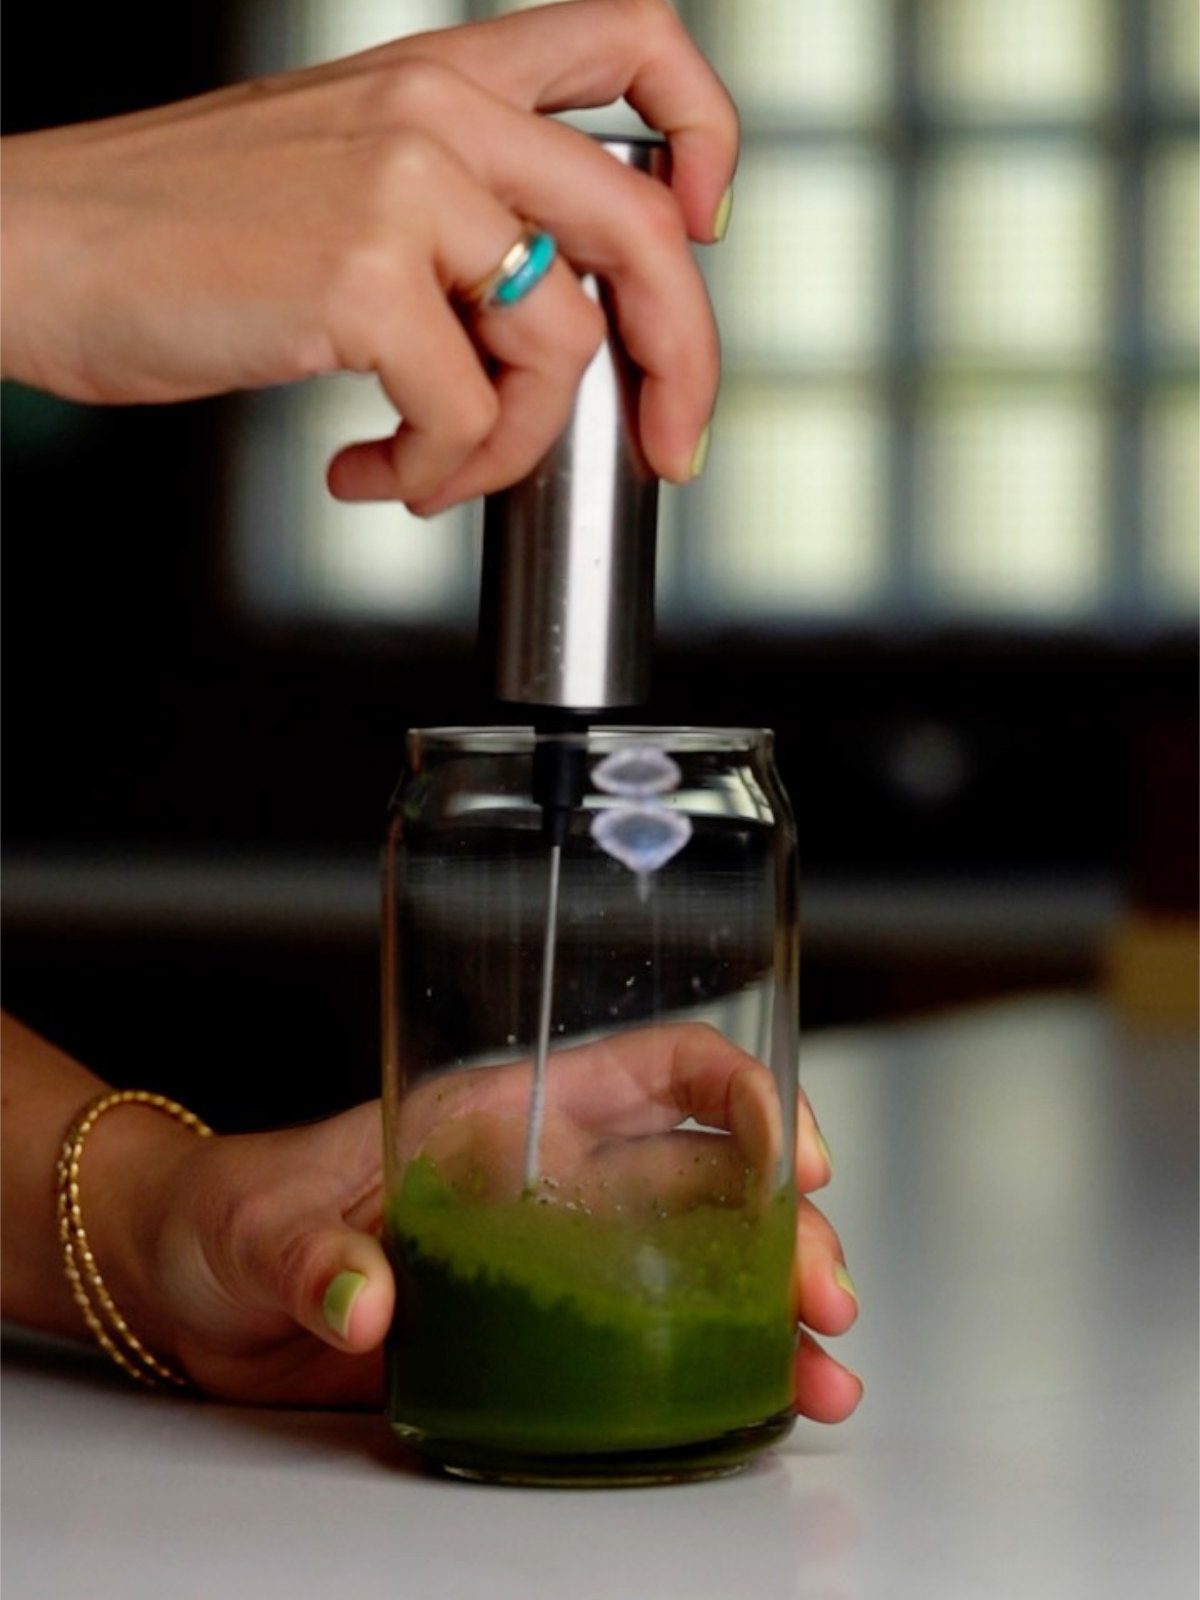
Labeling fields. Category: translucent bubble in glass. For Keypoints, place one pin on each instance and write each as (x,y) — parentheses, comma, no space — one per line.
(642,838)
(637,770)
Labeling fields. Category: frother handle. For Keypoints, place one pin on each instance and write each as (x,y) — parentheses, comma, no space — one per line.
(567,603)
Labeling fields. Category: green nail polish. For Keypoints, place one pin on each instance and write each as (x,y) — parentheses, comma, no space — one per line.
(844,1281)
(721,221)
(700,454)
(339,1300)
(826,1153)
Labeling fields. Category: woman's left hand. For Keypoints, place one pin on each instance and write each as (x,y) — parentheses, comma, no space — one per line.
(262,1276)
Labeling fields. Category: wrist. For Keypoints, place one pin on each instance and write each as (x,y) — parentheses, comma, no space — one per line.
(18,307)
(44,243)
(128,1173)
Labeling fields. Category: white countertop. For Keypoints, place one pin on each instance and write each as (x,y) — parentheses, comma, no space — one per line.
(1016,1190)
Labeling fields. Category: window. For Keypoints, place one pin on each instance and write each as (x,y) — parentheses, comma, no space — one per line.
(959,311)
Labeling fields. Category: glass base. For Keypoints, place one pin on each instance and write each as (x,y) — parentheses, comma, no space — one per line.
(686,1463)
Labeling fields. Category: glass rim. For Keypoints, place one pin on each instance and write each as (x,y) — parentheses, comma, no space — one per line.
(519,738)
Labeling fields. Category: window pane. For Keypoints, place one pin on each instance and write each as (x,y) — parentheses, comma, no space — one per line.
(319,31)
(792,518)
(1175,50)
(1173,248)
(1014,245)
(800,279)
(805,59)
(318,556)
(1011,521)
(1172,529)
(1017,57)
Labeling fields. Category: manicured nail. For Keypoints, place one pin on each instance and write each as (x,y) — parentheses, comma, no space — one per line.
(700,453)
(844,1281)
(826,1153)
(339,1300)
(721,220)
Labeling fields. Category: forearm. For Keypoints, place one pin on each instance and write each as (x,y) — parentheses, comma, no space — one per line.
(126,1155)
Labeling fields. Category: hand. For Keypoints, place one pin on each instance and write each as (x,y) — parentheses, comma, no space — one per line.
(610,1134)
(251,1231)
(324,220)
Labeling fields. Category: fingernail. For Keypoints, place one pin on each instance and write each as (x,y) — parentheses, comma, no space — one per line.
(845,1282)
(700,453)
(339,1300)
(721,220)
(826,1153)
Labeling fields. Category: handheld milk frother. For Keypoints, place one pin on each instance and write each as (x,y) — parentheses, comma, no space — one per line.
(567,603)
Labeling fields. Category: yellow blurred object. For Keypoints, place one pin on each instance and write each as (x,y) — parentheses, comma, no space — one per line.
(1152,965)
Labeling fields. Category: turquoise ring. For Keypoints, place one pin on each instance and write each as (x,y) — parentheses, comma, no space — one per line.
(520,269)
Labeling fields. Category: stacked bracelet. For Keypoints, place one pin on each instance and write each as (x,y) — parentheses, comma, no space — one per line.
(106,1323)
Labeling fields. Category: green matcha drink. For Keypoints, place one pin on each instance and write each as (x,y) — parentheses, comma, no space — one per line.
(529,1329)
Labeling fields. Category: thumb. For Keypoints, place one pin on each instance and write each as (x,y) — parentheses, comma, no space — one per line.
(337,1283)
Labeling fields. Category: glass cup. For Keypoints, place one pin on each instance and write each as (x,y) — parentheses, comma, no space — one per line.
(590,1065)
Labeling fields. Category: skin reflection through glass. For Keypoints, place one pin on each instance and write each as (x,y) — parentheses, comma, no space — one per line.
(611,1139)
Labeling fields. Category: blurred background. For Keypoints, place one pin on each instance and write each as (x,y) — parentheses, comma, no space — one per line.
(946,546)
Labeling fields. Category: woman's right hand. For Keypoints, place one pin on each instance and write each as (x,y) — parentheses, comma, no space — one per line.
(328,220)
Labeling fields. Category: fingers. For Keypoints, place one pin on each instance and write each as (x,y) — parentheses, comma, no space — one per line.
(444,418)
(606,1102)
(814,1163)
(472,90)
(625,227)
(489,166)
(823,1294)
(542,356)
(646,1080)
(434,369)
(466,431)
(596,52)
(290,1222)
(611,1109)
(622,1086)
(631,1085)
(331,1280)
(329,220)
(825,1391)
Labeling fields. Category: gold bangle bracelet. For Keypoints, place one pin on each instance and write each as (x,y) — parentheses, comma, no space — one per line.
(109,1328)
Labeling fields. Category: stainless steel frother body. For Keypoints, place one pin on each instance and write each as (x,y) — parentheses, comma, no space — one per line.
(567,601)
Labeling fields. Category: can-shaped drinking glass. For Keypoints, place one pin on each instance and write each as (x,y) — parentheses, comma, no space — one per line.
(590,1081)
